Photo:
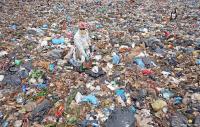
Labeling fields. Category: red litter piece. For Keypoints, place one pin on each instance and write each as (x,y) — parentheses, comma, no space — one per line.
(60,111)
(167,34)
(147,72)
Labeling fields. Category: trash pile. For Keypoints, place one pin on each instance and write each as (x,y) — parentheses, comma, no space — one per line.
(122,63)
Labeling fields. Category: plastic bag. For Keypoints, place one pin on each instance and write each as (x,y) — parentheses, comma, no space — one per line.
(121,118)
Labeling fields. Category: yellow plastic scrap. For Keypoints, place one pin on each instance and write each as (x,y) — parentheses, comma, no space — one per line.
(158,105)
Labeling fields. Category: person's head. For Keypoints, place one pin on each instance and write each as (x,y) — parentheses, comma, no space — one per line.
(82,28)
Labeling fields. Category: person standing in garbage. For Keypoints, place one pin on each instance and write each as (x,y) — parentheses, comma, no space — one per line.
(82,42)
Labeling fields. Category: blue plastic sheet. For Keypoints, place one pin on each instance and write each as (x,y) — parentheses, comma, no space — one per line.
(91,99)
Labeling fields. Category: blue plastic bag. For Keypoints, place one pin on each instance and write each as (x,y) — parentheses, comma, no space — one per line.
(51,67)
(166,94)
(133,109)
(39,31)
(115,59)
(45,26)
(57,41)
(13,26)
(98,26)
(177,100)
(41,86)
(139,62)
(74,62)
(24,88)
(91,99)
(5,124)
(121,93)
